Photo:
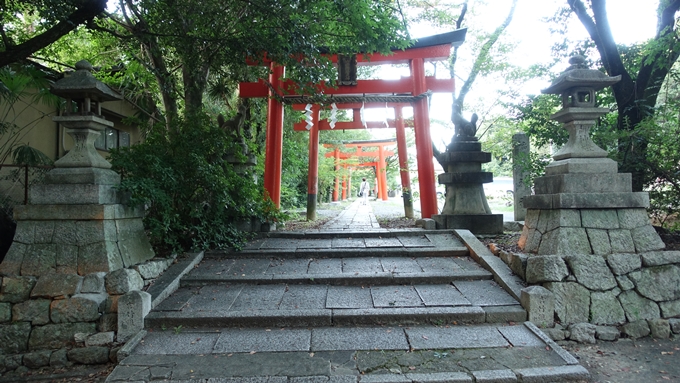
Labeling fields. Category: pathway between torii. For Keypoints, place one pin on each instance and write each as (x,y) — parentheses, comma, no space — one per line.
(410,89)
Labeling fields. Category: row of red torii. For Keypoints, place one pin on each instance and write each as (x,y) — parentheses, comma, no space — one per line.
(397,94)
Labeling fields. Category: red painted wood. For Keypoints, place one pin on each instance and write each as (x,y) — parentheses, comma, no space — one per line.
(426,182)
(347,125)
(336,154)
(274,139)
(344,187)
(344,156)
(432,53)
(382,174)
(370,87)
(313,173)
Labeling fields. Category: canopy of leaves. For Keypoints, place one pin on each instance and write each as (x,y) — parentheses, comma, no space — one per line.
(27,26)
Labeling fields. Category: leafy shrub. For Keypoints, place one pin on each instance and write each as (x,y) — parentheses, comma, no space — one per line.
(194,198)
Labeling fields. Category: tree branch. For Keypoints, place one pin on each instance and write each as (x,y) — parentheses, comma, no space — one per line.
(482,57)
(87,11)
(454,56)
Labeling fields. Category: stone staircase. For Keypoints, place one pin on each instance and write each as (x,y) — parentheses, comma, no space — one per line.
(339,306)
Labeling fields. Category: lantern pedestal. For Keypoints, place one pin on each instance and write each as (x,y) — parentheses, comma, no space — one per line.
(76,222)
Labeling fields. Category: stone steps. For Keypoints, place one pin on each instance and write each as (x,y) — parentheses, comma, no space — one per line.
(338,270)
(346,308)
(482,353)
(256,292)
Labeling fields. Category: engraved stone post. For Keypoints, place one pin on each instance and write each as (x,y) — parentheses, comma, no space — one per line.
(520,153)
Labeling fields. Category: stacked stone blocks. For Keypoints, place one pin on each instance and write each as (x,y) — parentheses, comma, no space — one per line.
(636,294)
(57,319)
(589,231)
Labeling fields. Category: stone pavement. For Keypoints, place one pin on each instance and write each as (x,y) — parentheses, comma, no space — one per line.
(356,217)
(350,302)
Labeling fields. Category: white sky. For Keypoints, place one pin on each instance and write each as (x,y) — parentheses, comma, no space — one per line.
(630,22)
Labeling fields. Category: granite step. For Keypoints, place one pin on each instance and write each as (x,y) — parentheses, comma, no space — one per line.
(428,354)
(286,310)
(336,271)
(358,244)
(287,304)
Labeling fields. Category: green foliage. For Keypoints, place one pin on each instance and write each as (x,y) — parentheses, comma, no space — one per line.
(216,36)
(533,117)
(194,198)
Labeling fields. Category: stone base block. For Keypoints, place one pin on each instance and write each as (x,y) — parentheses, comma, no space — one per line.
(465,178)
(73,194)
(476,223)
(587,201)
(589,231)
(76,212)
(582,165)
(95,176)
(481,157)
(583,183)
(79,239)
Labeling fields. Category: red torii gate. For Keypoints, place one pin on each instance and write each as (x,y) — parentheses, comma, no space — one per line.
(434,48)
(381,154)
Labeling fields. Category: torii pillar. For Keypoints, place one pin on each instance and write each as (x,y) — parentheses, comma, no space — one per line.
(336,186)
(274,140)
(313,172)
(421,116)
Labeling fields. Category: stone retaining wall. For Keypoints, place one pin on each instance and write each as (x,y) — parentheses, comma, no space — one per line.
(635,294)
(61,319)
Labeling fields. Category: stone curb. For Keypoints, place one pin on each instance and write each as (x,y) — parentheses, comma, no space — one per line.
(566,356)
(329,317)
(346,279)
(552,374)
(343,252)
(130,345)
(169,281)
(501,272)
(341,234)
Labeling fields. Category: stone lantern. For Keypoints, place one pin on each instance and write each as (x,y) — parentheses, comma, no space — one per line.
(83,226)
(84,123)
(582,205)
(578,85)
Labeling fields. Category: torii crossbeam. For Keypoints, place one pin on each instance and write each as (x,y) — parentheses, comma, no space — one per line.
(432,48)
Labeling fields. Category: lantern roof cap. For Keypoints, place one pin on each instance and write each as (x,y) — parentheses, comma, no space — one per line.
(579,75)
(81,84)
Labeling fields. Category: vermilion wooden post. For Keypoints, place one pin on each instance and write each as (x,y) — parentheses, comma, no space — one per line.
(421,117)
(313,173)
(337,179)
(344,186)
(383,172)
(274,140)
(403,162)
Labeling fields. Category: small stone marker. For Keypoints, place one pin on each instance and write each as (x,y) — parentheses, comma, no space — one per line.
(520,153)
(540,305)
(132,308)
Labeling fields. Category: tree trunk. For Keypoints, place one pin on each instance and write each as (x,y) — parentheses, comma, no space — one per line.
(195,82)
(635,97)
